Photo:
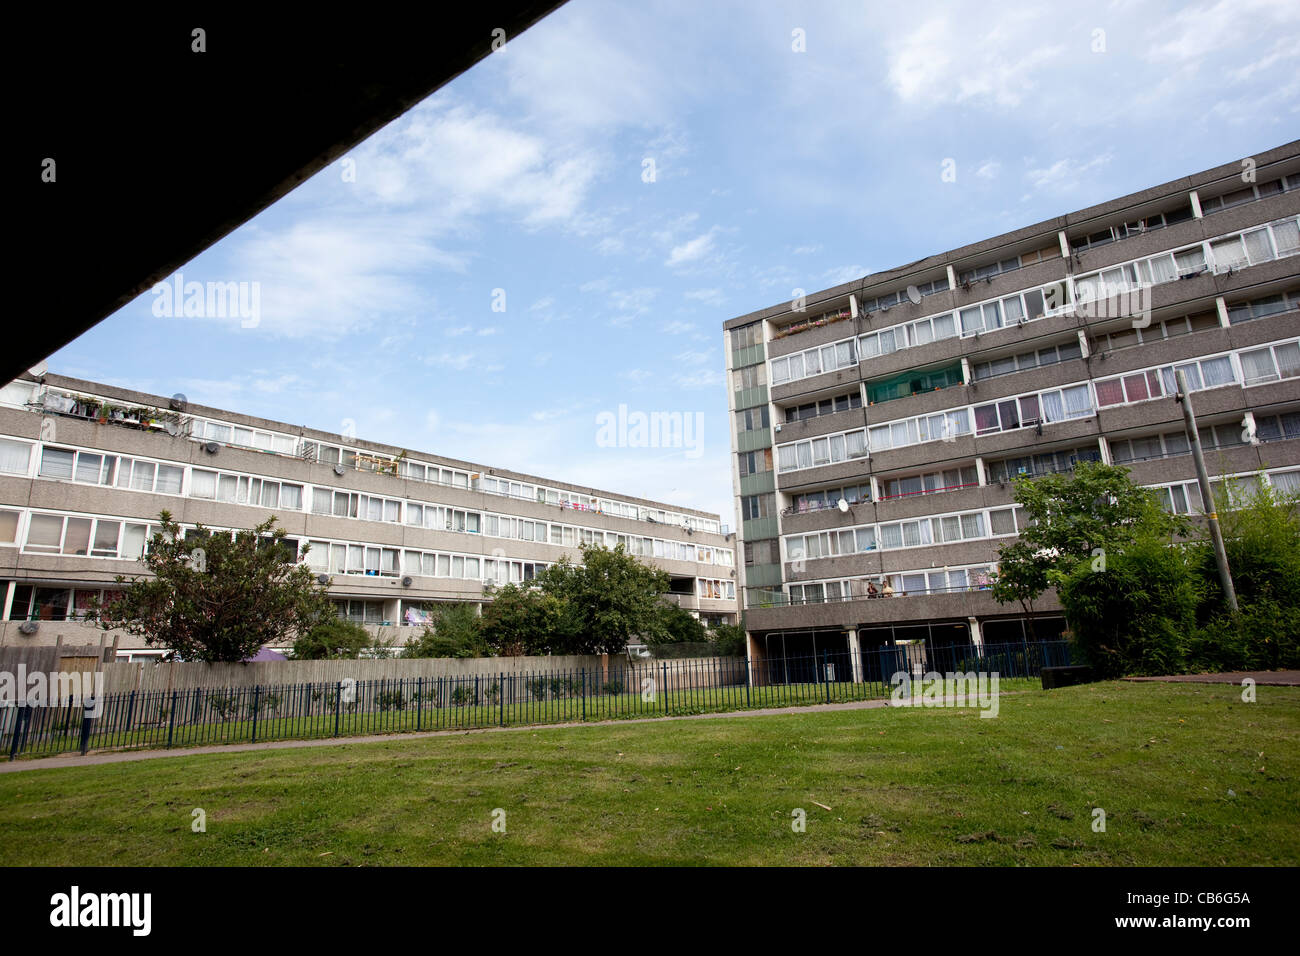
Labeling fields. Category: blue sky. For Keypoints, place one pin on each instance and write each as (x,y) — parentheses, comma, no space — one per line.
(774,169)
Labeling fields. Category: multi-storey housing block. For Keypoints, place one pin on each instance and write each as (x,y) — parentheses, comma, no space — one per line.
(876,426)
(86,468)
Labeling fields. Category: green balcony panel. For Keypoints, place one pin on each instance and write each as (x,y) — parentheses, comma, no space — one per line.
(753,440)
(759,483)
(755,529)
(912,383)
(751,397)
(751,355)
(763,576)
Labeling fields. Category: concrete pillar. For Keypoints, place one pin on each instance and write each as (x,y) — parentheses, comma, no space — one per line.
(9,600)
(1195,197)
(1083,343)
(981,475)
(1103,444)
(965,370)
(1248,427)
(1222,308)
(1065,244)
(875,489)
(855,654)
(952,277)
(976,637)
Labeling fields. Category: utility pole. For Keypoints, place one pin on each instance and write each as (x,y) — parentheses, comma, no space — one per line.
(1184,397)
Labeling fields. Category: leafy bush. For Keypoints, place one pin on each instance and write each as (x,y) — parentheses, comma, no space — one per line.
(1133,616)
(457,633)
(332,639)
(729,639)
(613,688)
(463,696)
(390,700)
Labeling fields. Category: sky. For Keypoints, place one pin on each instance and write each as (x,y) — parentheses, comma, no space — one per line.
(563,229)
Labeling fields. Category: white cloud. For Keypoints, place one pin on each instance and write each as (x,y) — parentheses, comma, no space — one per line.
(944,61)
(713,297)
(1065,173)
(692,250)
(988,169)
(693,357)
(841,275)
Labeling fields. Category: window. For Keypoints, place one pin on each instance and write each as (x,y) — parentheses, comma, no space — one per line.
(823,450)
(825,358)
(747,335)
(45,533)
(1260,308)
(8,526)
(56,463)
(15,456)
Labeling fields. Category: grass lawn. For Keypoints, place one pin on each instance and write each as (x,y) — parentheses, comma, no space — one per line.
(1187,775)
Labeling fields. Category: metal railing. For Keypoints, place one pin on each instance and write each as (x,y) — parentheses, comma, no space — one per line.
(650,688)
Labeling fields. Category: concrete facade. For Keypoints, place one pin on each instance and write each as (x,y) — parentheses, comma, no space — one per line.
(876,425)
(85,467)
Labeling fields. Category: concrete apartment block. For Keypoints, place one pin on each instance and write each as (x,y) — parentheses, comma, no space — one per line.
(876,426)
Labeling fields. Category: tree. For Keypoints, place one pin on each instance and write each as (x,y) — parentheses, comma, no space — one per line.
(729,639)
(607,600)
(215,596)
(1261,535)
(1073,519)
(1134,615)
(678,626)
(457,632)
(333,639)
(523,619)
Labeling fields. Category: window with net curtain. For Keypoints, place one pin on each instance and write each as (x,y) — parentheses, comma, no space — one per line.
(1258,366)
(8,527)
(14,457)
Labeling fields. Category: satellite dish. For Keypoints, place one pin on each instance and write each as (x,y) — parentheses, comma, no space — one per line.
(338,470)
(211,447)
(322,579)
(407,581)
(914,294)
(39,369)
(842,505)
(171,428)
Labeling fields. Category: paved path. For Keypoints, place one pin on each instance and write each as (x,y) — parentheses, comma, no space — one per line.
(130,756)
(1261,678)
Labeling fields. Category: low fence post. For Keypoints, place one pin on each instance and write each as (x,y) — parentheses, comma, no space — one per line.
(826,673)
(749,682)
(257,697)
(664,665)
(88,706)
(419,703)
(501,696)
(338,704)
(171,720)
(584,693)
(21,716)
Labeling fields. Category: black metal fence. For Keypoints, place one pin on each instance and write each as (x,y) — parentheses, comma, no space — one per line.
(198,716)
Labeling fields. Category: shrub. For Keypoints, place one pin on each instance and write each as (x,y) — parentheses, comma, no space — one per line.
(1134,616)
(613,688)
(390,700)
